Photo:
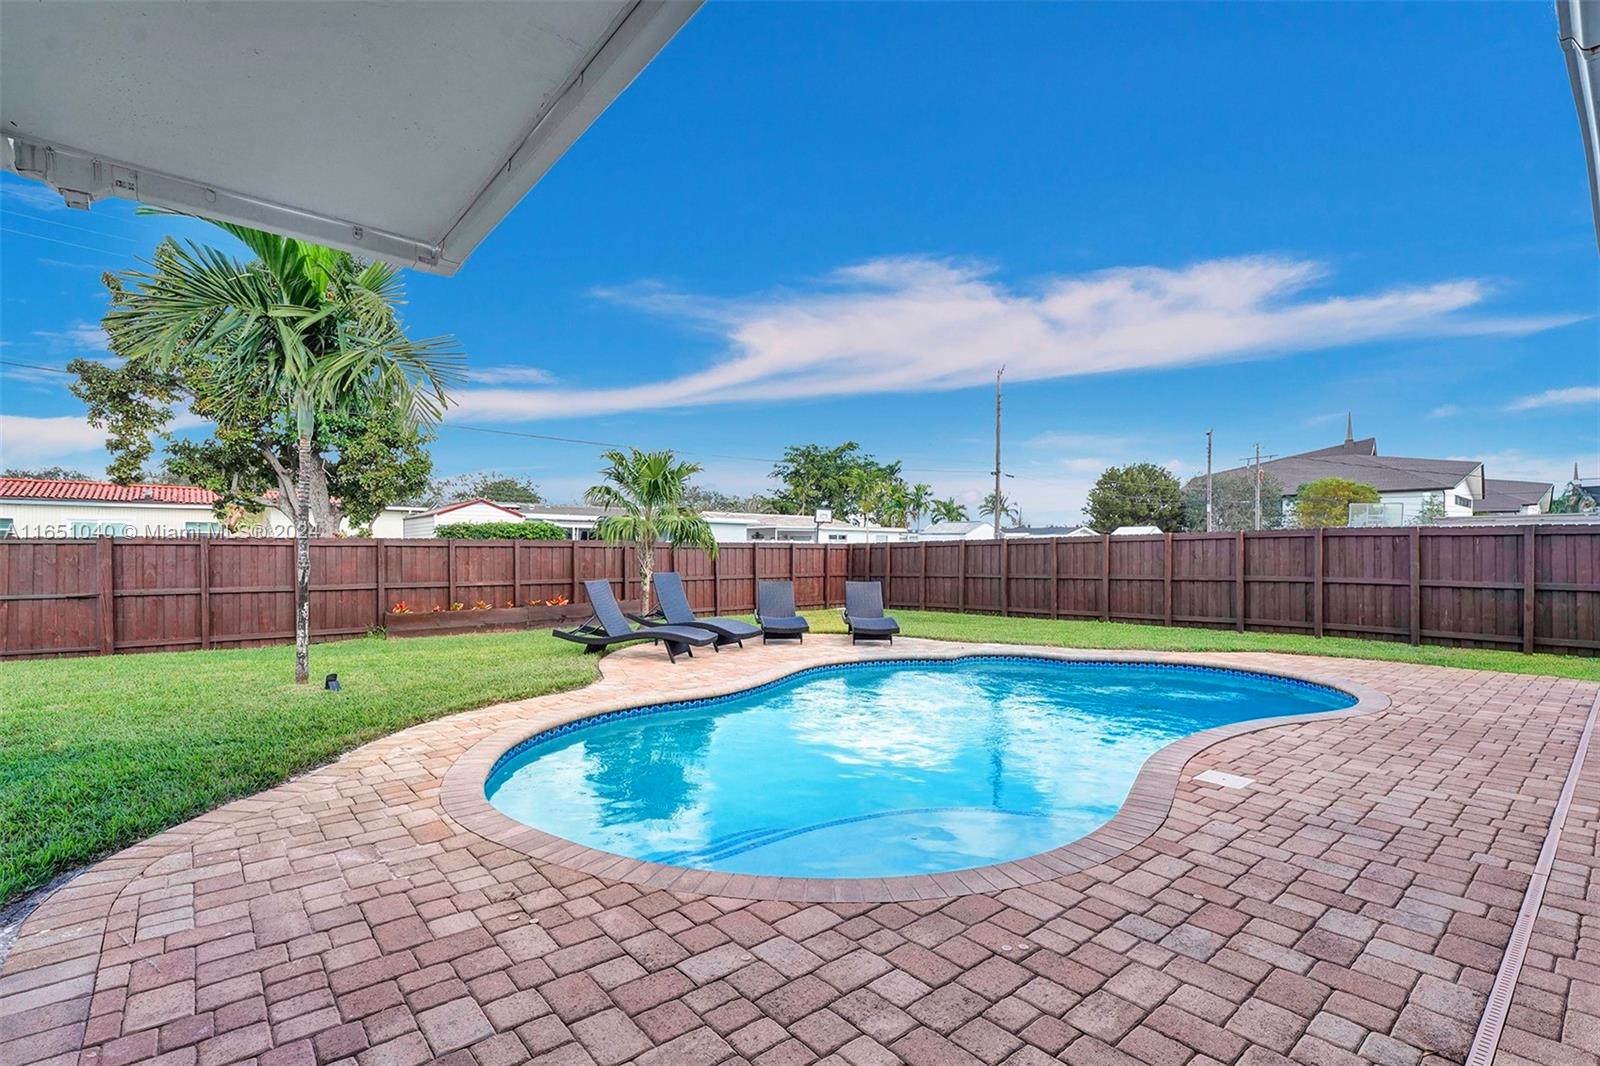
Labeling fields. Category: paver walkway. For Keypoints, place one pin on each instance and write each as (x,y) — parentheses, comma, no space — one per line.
(1350,906)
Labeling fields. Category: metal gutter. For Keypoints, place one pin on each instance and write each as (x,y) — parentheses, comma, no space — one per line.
(1579,22)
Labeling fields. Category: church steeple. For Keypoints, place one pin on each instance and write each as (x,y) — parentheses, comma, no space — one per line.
(1349,427)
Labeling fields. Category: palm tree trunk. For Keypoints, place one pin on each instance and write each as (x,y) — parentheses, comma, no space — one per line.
(302,565)
(647,568)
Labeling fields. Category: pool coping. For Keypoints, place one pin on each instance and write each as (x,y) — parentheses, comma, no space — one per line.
(1144,810)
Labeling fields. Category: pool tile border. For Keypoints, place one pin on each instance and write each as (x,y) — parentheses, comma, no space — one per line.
(463,798)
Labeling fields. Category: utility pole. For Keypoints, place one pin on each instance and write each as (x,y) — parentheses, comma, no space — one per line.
(1258,485)
(1210,523)
(997,508)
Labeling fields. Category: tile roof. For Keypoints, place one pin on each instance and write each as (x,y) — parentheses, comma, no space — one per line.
(32,488)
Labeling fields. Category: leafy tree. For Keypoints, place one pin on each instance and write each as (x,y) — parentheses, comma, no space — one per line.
(499,531)
(1431,511)
(843,478)
(304,341)
(948,510)
(1141,494)
(1002,503)
(648,488)
(1326,501)
(702,498)
(49,473)
(1233,503)
(502,488)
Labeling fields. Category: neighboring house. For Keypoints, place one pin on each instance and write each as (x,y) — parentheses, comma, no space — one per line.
(423,523)
(958,531)
(1047,531)
(1136,531)
(728,527)
(36,507)
(1406,485)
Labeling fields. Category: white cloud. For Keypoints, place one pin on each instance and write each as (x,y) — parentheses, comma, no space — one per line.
(510,375)
(28,441)
(1444,410)
(1517,465)
(918,324)
(1054,439)
(1578,394)
(15,193)
(78,337)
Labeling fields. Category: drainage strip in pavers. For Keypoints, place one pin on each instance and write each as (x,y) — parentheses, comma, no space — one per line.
(1487,1039)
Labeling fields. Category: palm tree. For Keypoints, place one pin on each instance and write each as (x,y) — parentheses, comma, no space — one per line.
(990,505)
(918,499)
(648,488)
(948,510)
(315,330)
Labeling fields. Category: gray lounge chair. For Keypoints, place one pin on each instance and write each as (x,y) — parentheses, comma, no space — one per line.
(672,608)
(608,627)
(863,612)
(776,614)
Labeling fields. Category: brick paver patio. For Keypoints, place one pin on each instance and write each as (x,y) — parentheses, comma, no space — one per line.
(1353,905)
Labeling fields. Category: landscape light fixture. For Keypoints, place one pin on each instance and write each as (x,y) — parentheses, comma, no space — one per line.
(331,683)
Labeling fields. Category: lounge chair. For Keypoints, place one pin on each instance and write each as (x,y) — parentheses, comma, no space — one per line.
(863,612)
(608,627)
(776,614)
(672,608)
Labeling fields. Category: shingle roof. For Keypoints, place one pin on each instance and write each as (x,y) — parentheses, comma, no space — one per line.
(32,488)
(1501,496)
(1386,473)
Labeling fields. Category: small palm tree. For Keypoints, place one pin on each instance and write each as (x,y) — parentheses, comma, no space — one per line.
(948,510)
(919,498)
(649,489)
(316,330)
(999,502)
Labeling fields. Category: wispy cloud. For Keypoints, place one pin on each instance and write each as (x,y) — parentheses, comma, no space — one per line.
(920,324)
(78,337)
(1518,465)
(510,375)
(1578,394)
(1444,410)
(1060,441)
(36,196)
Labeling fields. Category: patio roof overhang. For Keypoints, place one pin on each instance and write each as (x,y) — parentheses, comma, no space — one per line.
(403,132)
(1580,41)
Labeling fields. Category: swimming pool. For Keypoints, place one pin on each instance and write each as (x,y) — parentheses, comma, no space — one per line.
(877,769)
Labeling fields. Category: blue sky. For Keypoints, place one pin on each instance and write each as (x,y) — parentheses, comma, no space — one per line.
(819,222)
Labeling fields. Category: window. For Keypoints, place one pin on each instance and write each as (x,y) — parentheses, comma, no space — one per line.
(7,527)
(86,529)
(836,536)
(101,529)
(1462,501)
(202,529)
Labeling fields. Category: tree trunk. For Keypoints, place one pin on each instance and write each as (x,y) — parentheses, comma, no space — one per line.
(647,567)
(302,565)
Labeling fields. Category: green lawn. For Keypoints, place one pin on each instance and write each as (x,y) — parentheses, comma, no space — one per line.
(97,753)
(938,625)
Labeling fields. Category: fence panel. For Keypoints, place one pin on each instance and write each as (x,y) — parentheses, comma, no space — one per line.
(1532,587)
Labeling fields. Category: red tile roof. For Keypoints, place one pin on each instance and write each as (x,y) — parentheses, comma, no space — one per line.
(31,488)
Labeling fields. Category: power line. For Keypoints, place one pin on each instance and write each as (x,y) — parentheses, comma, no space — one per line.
(64,244)
(68,225)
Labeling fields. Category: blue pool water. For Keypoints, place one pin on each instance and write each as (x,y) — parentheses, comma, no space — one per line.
(878,769)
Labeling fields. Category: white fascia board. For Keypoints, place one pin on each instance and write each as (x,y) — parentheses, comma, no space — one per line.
(1580,41)
(84,173)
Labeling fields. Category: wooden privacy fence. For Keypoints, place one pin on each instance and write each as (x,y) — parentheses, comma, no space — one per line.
(103,595)
(1534,588)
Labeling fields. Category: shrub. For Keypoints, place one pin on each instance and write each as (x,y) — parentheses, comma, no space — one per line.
(500,531)
(1326,501)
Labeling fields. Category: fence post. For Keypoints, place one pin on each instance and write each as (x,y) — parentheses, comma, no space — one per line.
(827,583)
(108,592)
(888,571)
(1055,580)
(516,572)
(922,577)
(205,591)
(1416,585)
(1238,582)
(1166,613)
(450,572)
(961,577)
(1005,578)
(792,574)
(1318,566)
(377,579)
(716,584)
(573,599)
(1530,576)
(1105,577)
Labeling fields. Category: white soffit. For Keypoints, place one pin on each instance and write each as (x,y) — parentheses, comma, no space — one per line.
(400,131)
(1580,39)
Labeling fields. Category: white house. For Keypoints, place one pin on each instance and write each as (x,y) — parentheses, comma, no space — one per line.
(729,527)
(1407,486)
(37,507)
(958,531)
(423,523)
